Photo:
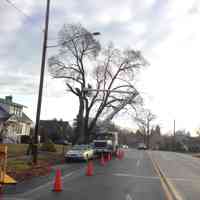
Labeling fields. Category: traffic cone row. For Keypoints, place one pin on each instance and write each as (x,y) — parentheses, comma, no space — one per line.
(89,169)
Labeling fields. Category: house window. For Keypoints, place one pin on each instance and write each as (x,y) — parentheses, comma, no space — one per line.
(18,129)
(12,109)
(15,110)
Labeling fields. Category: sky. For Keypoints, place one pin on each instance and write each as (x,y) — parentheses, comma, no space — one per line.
(167,32)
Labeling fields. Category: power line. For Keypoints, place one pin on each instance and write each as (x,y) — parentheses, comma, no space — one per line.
(25,15)
(17,8)
(20,11)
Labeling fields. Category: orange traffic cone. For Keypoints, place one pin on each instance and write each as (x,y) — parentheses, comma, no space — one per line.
(90,169)
(103,163)
(123,154)
(117,153)
(58,183)
(120,154)
(109,157)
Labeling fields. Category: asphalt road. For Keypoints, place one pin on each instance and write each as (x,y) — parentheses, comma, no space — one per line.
(133,178)
(182,172)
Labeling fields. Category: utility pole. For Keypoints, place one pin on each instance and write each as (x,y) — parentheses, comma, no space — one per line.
(174,136)
(174,128)
(148,134)
(35,145)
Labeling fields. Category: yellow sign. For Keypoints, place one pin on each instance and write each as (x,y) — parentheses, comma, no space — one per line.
(4,178)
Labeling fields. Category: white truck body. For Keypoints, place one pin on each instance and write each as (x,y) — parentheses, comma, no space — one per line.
(106,142)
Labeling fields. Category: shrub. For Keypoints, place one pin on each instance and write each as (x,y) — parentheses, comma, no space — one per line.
(48,146)
(25,139)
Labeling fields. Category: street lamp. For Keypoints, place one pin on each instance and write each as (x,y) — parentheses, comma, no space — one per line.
(113,91)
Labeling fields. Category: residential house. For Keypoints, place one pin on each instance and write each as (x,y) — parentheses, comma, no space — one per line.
(14,123)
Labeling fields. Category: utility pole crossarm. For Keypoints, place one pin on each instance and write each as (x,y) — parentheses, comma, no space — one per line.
(111,91)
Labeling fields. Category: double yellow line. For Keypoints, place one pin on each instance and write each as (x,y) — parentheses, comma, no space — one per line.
(170,191)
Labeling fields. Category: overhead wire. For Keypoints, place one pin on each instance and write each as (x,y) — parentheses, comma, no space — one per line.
(11,3)
(17,8)
(24,14)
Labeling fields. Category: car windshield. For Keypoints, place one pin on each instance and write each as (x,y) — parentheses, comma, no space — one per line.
(80,147)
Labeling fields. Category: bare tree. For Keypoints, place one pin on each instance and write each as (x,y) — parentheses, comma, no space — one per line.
(198,132)
(144,118)
(82,69)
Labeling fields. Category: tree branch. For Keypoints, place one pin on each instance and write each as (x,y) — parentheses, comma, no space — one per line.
(72,90)
(68,77)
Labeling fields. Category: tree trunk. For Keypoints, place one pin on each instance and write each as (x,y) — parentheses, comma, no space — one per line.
(86,128)
(79,130)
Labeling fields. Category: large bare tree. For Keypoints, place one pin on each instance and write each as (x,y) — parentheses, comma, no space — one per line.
(95,75)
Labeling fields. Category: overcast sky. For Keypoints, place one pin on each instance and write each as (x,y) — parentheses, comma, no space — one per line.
(166,31)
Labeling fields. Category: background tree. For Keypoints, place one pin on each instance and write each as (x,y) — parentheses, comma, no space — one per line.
(198,132)
(143,119)
(157,130)
(82,69)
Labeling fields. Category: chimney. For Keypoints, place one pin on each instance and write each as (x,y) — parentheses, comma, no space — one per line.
(8,99)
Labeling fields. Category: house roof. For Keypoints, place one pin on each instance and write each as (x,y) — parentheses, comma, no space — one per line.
(4,115)
(11,103)
(25,118)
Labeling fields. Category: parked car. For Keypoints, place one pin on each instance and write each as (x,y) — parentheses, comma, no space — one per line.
(142,146)
(79,152)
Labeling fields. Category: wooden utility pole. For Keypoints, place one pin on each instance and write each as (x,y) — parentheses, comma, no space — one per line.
(174,128)
(37,122)
(148,134)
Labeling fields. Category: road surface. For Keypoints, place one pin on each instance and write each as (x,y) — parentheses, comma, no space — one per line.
(182,172)
(141,175)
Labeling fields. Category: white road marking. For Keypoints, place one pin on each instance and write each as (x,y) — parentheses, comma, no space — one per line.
(48,183)
(135,176)
(184,179)
(138,163)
